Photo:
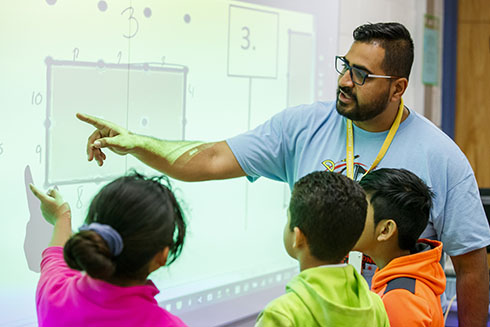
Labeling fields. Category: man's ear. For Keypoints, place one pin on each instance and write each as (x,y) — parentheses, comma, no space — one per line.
(299,238)
(385,230)
(398,88)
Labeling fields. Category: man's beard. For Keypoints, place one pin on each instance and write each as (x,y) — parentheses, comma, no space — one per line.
(361,112)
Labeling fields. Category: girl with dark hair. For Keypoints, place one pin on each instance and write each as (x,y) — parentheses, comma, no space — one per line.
(133,227)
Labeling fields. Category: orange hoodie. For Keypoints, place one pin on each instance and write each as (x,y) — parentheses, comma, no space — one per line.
(411,285)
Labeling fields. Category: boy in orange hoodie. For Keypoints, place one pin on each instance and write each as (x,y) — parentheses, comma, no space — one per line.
(409,277)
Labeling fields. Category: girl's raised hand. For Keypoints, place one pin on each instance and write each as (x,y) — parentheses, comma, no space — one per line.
(53,207)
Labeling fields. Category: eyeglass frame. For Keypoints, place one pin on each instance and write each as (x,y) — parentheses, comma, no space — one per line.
(350,68)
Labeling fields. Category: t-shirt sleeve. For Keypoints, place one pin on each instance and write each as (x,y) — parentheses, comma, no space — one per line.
(54,272)
(406,309)
(465,225)
(273,318)
(262,150)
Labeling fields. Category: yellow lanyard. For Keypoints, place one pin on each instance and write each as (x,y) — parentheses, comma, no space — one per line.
(382,151)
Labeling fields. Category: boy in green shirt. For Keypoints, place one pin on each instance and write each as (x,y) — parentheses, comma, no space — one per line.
(326,216)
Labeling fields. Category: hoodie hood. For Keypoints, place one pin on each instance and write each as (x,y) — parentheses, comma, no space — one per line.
(422,265)
(338,296)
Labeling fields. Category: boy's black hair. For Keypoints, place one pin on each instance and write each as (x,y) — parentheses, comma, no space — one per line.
(400,195)
(330,209)
(395,39)
(147,216)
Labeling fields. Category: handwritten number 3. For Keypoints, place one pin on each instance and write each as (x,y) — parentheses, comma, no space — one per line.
(131,18)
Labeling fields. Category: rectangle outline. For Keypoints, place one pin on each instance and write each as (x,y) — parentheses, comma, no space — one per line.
(228,47)
(150,66)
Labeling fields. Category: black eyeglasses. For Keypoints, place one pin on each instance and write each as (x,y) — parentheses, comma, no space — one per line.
(357,75)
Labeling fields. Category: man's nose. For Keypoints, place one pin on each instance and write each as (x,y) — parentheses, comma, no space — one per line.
(346,80)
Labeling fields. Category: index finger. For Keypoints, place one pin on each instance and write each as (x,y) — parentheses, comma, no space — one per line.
(39,194)
(98,123)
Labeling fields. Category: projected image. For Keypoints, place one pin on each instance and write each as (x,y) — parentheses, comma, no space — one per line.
(155,102)
(174,70)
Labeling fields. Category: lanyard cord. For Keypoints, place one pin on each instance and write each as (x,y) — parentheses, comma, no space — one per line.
(382,151)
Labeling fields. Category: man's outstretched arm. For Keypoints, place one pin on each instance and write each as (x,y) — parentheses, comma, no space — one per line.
(472,287)
(184,160)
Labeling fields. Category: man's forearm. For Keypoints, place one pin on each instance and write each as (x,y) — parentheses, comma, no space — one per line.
(472,288)
(187,160)
(169,157)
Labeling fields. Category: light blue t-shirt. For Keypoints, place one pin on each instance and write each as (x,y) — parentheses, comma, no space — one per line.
(307,138)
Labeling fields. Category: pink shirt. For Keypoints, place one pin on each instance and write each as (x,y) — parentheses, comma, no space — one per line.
(68,297)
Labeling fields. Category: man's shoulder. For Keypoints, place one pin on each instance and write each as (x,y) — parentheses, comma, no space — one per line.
(316,108)
(423,127)
(310,117)
(429,139)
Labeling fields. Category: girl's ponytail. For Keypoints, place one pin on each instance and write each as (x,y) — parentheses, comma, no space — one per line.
(87,251)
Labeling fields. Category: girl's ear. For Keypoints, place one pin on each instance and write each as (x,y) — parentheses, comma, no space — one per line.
(385,230)
(159,259)
(162,256)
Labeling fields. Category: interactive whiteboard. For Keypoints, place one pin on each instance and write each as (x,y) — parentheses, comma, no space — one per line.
(180,70)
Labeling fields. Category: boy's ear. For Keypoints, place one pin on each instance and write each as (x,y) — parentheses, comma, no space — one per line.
(385,230)
(299,238)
